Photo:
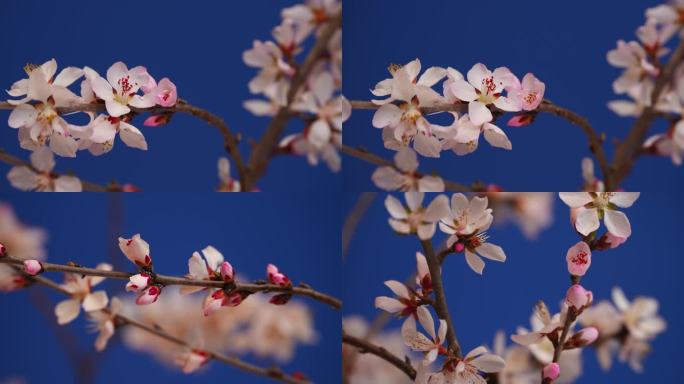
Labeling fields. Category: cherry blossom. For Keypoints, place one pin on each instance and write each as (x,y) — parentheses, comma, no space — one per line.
(405,84)
(39,176)
(463,136)
(80,290)
(165,93)
(44,76)
(219,298)
(415,340)
(638,70)
(138,282)
(578,298)
(274,70)
(543,324)
(32,267)
(528,94)
(136,250)
(312,12)
(416,219)
(149,295)
(192,360)
(403,176)
(603,205)
(423,278)
(103,131)
(640,315)
(484,88)
(579,259)
(467,370)
(667,14)
(405,304)
(210,267)
(104,321)
(276,277)
(120,89)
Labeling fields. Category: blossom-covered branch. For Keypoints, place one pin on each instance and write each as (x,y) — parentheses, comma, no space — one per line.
(120,320)
(163,280)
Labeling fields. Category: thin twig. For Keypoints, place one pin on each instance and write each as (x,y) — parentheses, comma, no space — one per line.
(440,303)
(377,160)
(172,280)
(365,346)
(263,150)
(628,150)
(87,185)
(274,373)
(354,217)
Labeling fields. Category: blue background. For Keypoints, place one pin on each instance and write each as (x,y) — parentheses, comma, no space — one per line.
(563,43)
(197,44)
(299,234)
(648,264)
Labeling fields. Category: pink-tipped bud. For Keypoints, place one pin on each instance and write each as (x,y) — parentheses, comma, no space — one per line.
(579,259)
(214,302)
(520,120)
(234,299)
(149,295)
(137,283)
(166,94)
(459,247)
(227,272)
(3,250)
(136,250)
(613,241)
(582,338)
(157,120)
(32,267)
(551,371)
(277,278)
(578,298)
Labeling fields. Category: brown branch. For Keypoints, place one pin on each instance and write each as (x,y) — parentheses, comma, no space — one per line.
(369,157)
(87,185)
(263,150)
(628,151)
(595,141)
(354,217)
(230,141)
(440,303)
(274,373)
(365,346)
(172,280)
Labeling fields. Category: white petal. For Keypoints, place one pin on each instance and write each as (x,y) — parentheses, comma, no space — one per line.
(22,115)
(95,301)
(68,76)
(489,363)
(474,262)
(43,160)
(68,184)
(213,256)
(67,310)
(116,109)
(398,288)
(388,304)
(527,338)
(197,267)
(496,137)
(131,136)
(463,91)
(624,199)
(587,221)
(617,223)
(426,231)
(479,113)
(23,178)
(491,251)
(406,160)
(395,208)
(575,199)
(386,115)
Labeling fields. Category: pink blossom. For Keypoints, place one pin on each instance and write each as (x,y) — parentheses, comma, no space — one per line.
(551,371)
(3,250)
(165,93)
(138,282)
(578,298)
(217,299)
(528,94)
(156,120)
(227,272)
(582,338)
(579,259)
(136,250)
(32,267)
(520,120)
(277,278)
(612,240)
(149,295)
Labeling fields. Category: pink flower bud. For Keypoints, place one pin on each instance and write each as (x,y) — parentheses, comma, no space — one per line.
(520,120)
(280,299)
(234,299)
(579,259)
(227,272)
(459,247)
(275,277)
(157,120)
(578,298)
(551,371)
(587,336)
(32,267)
(149,295)
(136,250)
(138,282)
(614,241)
(3,250)
(166,94)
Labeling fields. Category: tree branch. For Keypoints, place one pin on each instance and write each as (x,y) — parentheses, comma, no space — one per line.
(262,151)
(377,160)
(440,303)
(368,347)
(172,280)
(230,141)
(87,185)
(623,161)
(274,373)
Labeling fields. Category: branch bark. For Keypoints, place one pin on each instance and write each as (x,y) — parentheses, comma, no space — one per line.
(365,346)
(172,280)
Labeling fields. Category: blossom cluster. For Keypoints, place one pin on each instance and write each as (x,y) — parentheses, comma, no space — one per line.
(39,116)
(319,98)
(642,63)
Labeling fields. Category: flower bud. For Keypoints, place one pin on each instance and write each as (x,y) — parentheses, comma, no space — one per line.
(578,298)
(612,240)
(3,250)
(136,250)
(166,94)
(551,371)
(214,302)
(277,278)
(149,295)
(280,299)
(138,282)
(579,259)
(32,267)
(582,338)
(459,247)
(227,272)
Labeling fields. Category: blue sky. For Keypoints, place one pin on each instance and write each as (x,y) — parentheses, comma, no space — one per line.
(564,44)
(198,47)
(648,264)
(299,234)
